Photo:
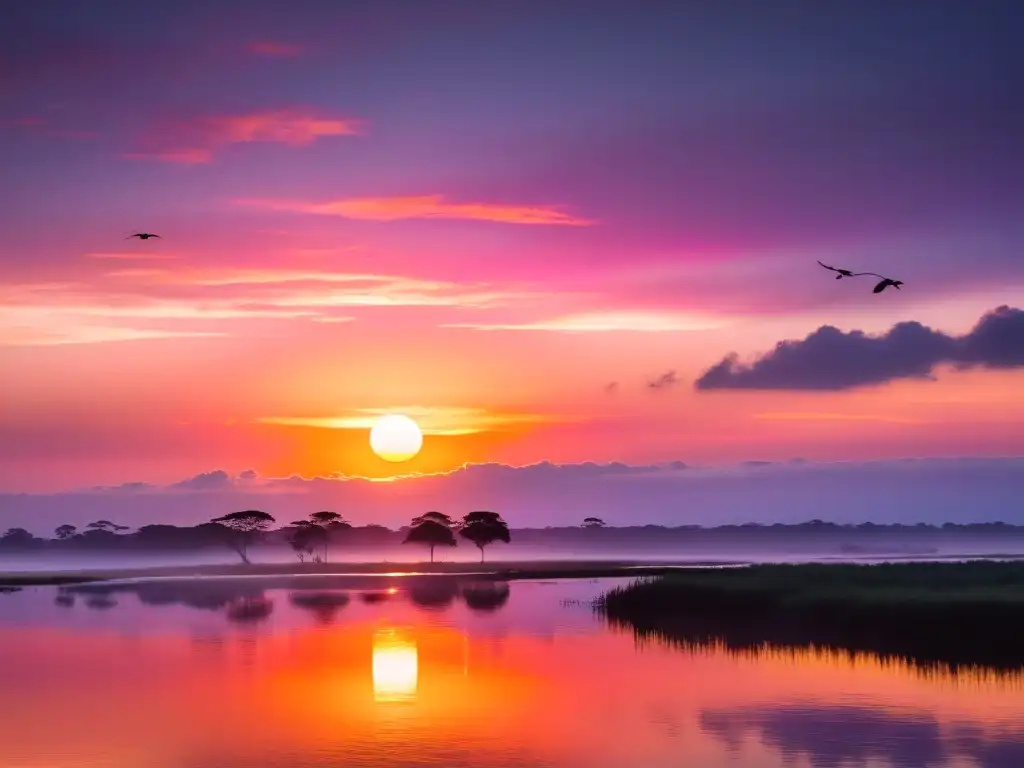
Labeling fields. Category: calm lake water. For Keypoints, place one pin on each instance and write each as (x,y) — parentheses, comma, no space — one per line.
(446,674)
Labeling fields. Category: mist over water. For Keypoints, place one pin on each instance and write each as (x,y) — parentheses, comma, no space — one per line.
(879,550)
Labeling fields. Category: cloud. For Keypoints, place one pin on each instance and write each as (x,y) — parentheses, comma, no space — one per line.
(432,421)
(544,494)
(131,255)
(826,416)
(193,142)
(207,481)
(44,127)
(97,334)
(667,380)
(605,322)
(829,359)
(198,301)
(276,50)
(425,207)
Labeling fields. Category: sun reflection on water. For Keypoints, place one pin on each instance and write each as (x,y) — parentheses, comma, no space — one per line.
(395,666)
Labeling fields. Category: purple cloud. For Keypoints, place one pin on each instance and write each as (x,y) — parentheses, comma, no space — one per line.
(546,494)
(829,359)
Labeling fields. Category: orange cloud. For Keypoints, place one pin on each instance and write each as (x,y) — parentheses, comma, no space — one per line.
(195,142)
(598,322)
(450,421)
(425,207)
(275,50)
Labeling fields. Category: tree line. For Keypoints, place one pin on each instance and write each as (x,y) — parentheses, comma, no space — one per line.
(308,538)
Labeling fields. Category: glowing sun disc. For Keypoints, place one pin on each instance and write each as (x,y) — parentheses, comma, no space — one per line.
(396,438)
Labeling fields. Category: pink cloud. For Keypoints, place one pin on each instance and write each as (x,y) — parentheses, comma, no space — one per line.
(425,207)
(604,322)
(130,255)
(161,303)
(277,50)
(193,142)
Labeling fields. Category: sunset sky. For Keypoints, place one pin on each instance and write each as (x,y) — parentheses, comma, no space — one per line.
(534,227)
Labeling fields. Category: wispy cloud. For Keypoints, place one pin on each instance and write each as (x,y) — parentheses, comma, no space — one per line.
(192,142)
(667,380)
(432,420)
(425,207)
(827,416)
(605,322)
(132,255)
(165,302)
(275,49)
(87,334)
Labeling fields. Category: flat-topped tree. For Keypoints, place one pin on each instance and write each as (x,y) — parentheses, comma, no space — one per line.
(593,522)
(483,528)
(438,517)
(65,531)
(328,522)
(433,529)
(243,528)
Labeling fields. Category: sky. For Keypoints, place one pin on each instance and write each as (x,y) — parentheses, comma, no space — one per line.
(552,233)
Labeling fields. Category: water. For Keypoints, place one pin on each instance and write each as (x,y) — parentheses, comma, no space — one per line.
(443,673)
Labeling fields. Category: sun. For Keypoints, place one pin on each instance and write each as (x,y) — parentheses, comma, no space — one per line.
(396,438)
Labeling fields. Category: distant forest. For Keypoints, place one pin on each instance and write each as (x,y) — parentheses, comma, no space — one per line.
(327,530)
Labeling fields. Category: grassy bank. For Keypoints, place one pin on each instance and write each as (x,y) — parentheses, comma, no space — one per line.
(502,571)
(928,613)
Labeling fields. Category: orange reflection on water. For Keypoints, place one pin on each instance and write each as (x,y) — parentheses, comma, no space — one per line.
(395,666)
(394,687)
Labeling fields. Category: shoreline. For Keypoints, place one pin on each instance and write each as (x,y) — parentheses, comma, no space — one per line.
(497,571)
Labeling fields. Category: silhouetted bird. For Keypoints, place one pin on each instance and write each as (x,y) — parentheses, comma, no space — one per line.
(843,272)
(886,282)
(142,235)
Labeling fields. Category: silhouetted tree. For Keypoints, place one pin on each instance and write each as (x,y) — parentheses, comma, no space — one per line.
(432,529)
(593,522)
(483,528)
(17,538)
(65,531)
(243,528)
(329,522)
(302,537)
(437,517)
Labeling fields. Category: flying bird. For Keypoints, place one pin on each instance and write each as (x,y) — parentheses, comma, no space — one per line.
(142,235)
(843,272)
(886,282)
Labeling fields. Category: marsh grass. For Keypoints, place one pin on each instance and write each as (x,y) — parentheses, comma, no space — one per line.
(957,614)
